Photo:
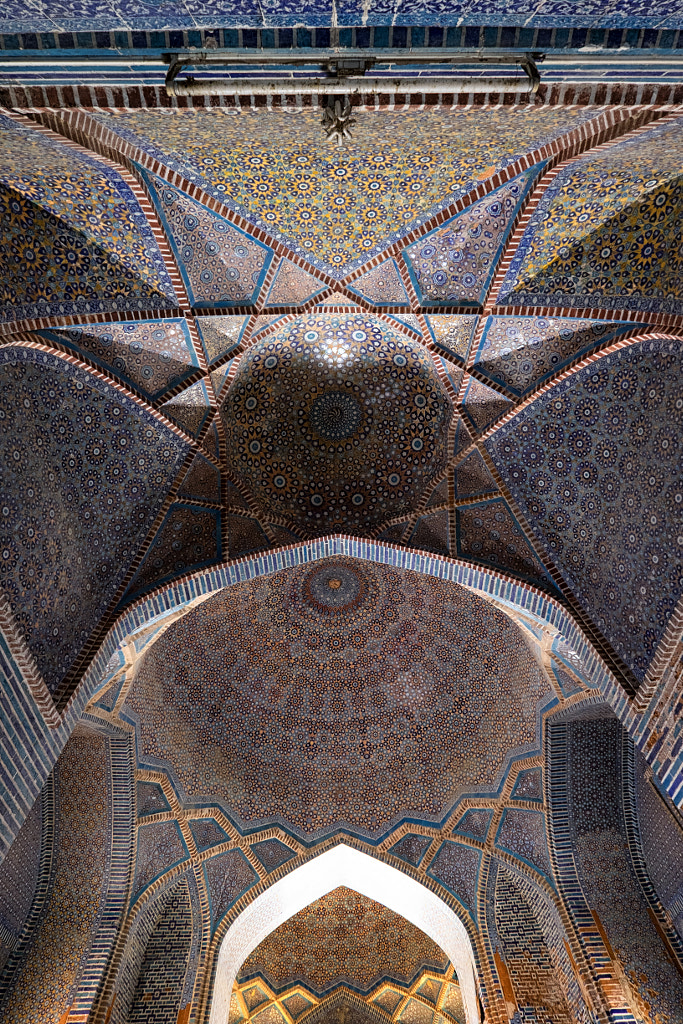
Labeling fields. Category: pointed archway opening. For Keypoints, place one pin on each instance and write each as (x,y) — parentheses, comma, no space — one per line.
(344,866)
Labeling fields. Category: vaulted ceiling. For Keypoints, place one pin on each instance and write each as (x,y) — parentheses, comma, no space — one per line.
(460,334)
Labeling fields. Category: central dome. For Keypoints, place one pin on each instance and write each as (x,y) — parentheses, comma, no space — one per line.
(337,423)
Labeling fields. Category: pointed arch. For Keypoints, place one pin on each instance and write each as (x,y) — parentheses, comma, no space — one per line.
(343,865)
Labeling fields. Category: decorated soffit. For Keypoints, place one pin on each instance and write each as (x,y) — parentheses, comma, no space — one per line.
(345,443)
(342,938)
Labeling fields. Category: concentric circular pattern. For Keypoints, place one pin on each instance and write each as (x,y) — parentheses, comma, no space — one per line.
(343,693)
(337,423)
(335,415)
(335,588)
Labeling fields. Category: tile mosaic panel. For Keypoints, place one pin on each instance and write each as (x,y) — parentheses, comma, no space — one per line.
(220,334)
(606,874)
(521,352)
(483,405)
(457,867)
(472,477)
(523,834)
(228,876)
(292,286)
(593,465)
(489,533)
(475,823)
(87,469)
(272,853)
(48,975)
(19,873)
(452,1004)
(73,238)
(321,624)
(160,846)
(416,1012)
(190,408)
(152,355)
(452,333)
(188,538)
(439,495)
(296,1005)
(165,963)
(431,533)
(529,785)
(607,232)
(454,265)
(220,265)
(336,422)
(203,481)
(342,937)
(245,535)
(206,833)
(151,799)
(339,207)
(411,848)
(382,286)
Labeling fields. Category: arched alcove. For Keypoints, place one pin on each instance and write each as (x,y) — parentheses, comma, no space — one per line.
(349,867)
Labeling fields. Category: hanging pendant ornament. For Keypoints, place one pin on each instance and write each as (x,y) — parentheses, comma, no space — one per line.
(338,119)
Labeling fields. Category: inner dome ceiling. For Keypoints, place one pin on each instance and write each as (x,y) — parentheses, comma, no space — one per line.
(336,423)
(343,693)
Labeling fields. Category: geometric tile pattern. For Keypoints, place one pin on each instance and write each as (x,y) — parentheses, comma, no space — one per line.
(221,266)
(608,231)
(207,833)
(152,354)
(202,482)
(521,352)
(454,265)
(159,847)
(292,286)
(272,853)
(457,867)
(336,421)
(339,206)
(189,409)
(87,469)
(151,799)
(488,533)
(483,405)
(80,877)
(188,538)
(431,533)
(411,848)
(220,334)
(452,333)
(593,464)
(382,286)
(529,785)
(58,256)
(523,833)
(228,876)
(475,823)
(605,871)
(405,724)
(342,937)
